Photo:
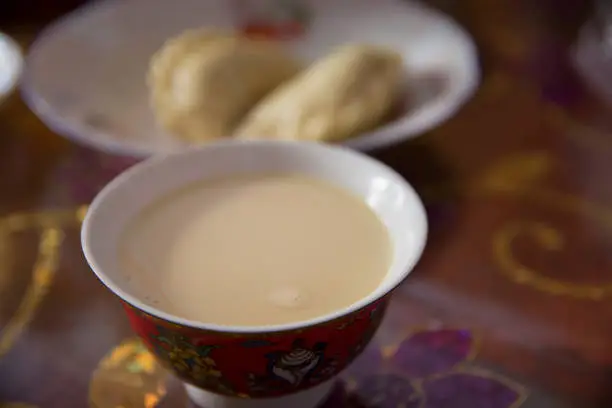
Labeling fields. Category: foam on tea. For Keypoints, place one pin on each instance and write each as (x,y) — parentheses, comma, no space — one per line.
(255,250)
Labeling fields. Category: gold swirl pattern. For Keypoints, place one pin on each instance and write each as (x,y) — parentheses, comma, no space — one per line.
(44,269)
(548,239)
(522,177)
(45,265)
(43,219)
(518,177)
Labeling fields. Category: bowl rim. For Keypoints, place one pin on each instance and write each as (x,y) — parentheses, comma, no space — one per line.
(379,293)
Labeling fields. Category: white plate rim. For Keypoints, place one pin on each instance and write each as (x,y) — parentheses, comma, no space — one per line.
(15,57)
(431,116)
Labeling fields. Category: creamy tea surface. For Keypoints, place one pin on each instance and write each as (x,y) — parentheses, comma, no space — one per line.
(255,250)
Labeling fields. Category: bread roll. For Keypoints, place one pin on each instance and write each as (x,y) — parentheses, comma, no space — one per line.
(201,83)
(343,94)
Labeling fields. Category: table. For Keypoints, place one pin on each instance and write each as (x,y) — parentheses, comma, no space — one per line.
(510,306)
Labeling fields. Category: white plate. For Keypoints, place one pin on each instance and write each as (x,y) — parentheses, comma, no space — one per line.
(10,65)
(85,75)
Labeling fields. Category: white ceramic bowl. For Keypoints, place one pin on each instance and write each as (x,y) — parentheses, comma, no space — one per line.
(10,65)
(85,75)
(384,191)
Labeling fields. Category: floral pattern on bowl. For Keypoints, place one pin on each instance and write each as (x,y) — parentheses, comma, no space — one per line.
(259,365)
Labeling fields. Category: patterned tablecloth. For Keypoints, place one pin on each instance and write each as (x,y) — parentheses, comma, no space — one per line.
(510,306)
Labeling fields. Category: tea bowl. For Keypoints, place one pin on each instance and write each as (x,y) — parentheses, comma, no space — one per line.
(251,366)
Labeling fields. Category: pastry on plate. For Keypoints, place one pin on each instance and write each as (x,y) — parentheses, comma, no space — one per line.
(350,91)
(201,83)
